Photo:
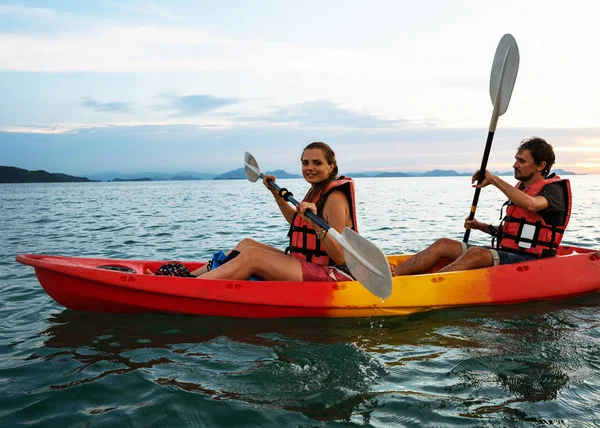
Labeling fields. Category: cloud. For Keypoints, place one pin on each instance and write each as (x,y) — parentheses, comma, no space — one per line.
(324,114)
(577,149)
(26,12)
(192,105)
(102,107)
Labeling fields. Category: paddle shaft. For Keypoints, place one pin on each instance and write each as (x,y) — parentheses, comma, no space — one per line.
(488,145)
(287,196)
(480,178)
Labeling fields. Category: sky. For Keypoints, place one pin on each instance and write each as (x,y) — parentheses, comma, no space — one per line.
(131,86)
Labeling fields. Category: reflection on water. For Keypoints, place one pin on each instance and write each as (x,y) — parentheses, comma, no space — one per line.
(283,363)
(493,360)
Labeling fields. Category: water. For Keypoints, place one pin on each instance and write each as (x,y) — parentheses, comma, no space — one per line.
(532,364)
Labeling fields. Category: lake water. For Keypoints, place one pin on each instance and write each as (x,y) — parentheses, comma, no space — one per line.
(520,365)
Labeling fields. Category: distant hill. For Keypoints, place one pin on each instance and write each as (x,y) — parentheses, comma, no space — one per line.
(558,171)
(279,173)
(392,174)
(563,172)
(152,175)
(444,173)
(11,174)
(240,174)
(356,175)
(236,174)
(133,179)
(434,173)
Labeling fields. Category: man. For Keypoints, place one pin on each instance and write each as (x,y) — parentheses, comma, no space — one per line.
(537,214)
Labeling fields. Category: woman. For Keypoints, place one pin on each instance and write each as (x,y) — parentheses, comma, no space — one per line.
(312,256)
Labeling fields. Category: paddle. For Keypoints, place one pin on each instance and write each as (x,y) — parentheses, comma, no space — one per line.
(365,261)
(502,82)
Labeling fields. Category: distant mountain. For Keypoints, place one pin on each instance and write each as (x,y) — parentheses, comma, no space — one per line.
(192,175)
(154,176)
(116,180)
(363,174)
(356,175)
(236,174)
(11,174)
(279,173)
(445,173)
(558,171)
(562,172)
(240,174)
(392,174)
(434,173)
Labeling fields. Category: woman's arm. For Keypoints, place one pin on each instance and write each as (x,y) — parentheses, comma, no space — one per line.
(336,213)
(286,209)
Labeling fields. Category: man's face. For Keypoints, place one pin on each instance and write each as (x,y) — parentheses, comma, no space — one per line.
(525,167)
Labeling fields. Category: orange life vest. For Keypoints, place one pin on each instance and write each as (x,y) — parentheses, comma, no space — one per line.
(304,244)
(526,231)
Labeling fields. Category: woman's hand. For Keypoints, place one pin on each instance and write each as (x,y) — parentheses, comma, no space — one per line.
(306,206)
(266,180)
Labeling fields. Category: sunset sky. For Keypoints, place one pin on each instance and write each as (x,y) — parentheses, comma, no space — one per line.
(93,86)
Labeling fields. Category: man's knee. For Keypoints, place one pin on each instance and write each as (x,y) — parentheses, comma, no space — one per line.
(447,247)
(478,257)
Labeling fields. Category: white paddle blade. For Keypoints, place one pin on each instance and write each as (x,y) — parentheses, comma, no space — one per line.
(504,73)
(365,261)
(251,167)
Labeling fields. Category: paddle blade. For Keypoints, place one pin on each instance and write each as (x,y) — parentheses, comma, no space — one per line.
(251,167)
(504,73)
(366,262)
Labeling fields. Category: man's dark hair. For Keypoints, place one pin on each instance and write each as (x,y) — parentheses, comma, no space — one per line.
(540,151)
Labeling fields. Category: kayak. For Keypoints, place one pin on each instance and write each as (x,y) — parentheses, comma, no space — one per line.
(120,286)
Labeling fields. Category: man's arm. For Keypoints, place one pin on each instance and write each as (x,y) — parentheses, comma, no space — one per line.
(483,227)
(516,196)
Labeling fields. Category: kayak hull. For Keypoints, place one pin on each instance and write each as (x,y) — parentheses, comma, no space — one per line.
(120,286)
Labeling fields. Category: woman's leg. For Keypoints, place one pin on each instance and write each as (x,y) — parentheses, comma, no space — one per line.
(240,246)
(247,242)
(261,262)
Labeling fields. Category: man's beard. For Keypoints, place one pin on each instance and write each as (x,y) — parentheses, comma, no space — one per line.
(525,178)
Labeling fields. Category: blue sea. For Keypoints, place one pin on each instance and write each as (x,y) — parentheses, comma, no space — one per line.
(534,364)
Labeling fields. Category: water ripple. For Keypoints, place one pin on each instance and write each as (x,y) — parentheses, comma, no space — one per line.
(532,364)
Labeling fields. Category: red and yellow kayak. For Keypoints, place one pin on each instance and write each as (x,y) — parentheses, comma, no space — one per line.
(120,286)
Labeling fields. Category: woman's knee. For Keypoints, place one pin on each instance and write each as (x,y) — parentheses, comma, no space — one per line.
(245,243)
(251,255)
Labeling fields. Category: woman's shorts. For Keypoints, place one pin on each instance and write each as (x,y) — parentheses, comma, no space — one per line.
(502,257)
(312,272)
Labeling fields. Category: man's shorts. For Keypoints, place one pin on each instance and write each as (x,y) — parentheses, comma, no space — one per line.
(502,257)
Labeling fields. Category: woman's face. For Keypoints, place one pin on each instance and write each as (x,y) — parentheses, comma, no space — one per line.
(314,166)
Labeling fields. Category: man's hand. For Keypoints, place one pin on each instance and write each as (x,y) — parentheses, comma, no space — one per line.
(475,224)
(488,179)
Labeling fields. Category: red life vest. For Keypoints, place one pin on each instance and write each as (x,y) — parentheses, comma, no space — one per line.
(304,244)
(526,231)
